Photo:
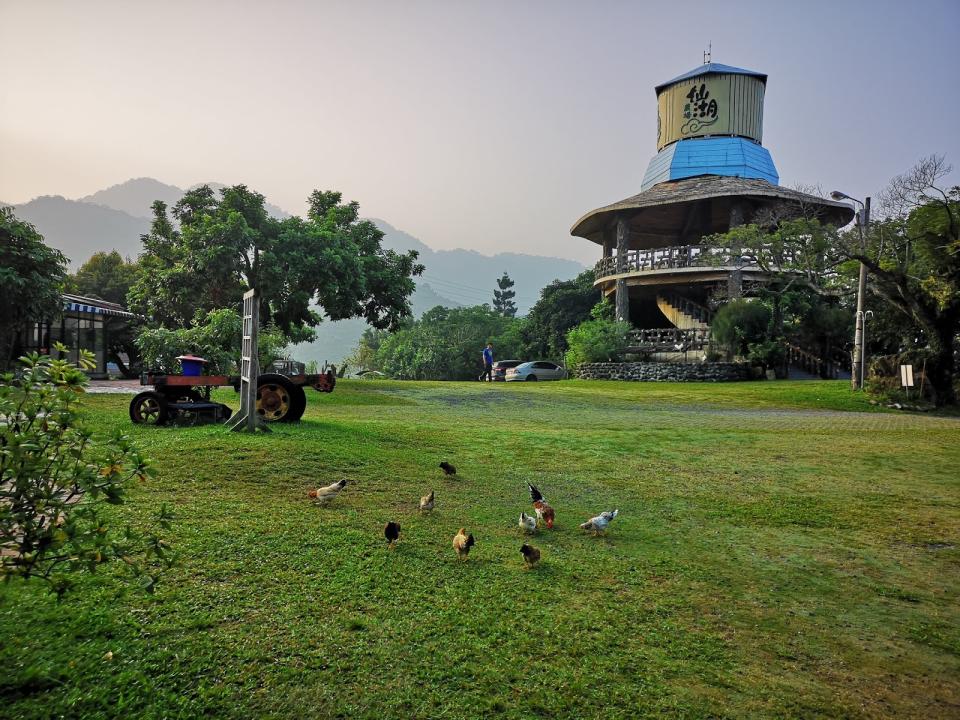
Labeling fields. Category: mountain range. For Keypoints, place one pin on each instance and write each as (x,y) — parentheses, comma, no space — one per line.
(116,217)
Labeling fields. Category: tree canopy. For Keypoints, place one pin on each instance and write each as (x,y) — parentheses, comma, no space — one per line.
(503,297)
(106,275)
(214,249)
(31,280)
(563,305)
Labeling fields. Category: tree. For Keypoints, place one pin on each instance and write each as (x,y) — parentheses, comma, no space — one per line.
(31,280)
(563,305)
(912,256)
(56,477)
(222,247)
(740,323)
(503,297)
(107,276)
(445,344)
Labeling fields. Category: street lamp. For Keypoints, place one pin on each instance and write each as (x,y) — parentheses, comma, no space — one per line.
(863,225)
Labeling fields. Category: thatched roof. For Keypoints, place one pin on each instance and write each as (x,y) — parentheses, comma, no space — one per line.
(679,210)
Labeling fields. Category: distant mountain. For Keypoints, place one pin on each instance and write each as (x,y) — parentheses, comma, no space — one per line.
(79,229)
(135,197)
(115,218)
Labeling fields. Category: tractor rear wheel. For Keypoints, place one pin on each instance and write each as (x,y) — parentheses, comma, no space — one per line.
(149,408)
(299,398)
(276,398)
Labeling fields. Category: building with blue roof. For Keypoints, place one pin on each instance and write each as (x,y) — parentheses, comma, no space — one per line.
(711,173)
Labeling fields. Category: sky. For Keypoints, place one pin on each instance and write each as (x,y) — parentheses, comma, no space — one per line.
(488,125)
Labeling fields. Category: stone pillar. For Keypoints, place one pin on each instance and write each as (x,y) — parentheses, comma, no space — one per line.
(622,306)
(735,279)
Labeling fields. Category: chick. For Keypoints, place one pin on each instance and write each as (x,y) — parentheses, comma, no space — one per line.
(531,555)
(327,493)
(391,531)
(426,502)
(599,523)
(462,543)
(527,523)
(448,468)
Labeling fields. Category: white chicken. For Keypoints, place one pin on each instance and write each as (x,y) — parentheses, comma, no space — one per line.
(328,492)
(527,523)
(599,523)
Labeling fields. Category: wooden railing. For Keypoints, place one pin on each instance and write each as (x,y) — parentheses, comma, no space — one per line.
(679,256)
(806,360)
(668,339)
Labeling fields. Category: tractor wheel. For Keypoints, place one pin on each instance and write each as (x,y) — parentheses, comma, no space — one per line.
(299,398)
(149,408)
(275,398)
(225,412)
(531,378)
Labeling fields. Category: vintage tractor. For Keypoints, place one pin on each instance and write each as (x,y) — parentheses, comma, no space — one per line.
(186,398)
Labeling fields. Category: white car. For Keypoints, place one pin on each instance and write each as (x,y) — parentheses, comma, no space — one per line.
(537,370)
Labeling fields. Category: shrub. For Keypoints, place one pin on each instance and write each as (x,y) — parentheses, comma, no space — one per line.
(216,337)
(600,339)
(739,323)
(56,478)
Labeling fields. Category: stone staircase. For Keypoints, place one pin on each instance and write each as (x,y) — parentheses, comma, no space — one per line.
(683,313)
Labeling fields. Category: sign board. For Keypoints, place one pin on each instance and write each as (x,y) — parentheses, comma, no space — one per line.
(712,104)
(906,375)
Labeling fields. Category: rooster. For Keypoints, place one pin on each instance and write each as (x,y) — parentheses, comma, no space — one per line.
(327,493)
(462,543)
(599,523)
(527,523)
(448,468)
(426,502)
(531,555)
(391,531)
(541,506)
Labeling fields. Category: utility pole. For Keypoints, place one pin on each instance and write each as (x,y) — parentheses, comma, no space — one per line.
(859,356)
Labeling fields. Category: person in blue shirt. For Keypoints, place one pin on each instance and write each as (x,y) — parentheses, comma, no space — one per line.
(487,363)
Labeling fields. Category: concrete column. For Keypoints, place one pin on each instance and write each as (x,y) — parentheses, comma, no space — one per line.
(735,280)
(622,305)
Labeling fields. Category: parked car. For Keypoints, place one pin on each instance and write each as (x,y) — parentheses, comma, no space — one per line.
(537,370)
(500,368)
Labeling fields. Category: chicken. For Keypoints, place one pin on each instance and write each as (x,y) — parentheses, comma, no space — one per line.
(531,555)
(545,513)
(426,502)
(462,543)
(448,468)
(599,523)
(391,531)
(527,523)
(327,493)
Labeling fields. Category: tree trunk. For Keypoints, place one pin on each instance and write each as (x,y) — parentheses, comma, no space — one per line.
(940,367)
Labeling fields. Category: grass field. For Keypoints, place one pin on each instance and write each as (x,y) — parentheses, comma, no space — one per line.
(783,550)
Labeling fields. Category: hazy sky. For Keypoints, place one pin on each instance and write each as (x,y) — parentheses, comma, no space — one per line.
(484,125)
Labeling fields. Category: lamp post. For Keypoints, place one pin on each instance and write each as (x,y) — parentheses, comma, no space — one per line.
(863,225)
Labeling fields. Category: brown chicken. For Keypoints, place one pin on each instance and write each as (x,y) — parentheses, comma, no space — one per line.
(391,531)
(542,507)
(531,555)
(462,543)
(426,502)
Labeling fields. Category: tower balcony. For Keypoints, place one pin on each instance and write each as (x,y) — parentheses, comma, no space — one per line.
(680,263)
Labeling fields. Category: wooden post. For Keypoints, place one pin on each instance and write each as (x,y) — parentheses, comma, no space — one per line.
(248,418)
(622,306)
(735,279)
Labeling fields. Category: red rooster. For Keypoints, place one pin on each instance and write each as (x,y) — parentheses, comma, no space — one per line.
(542,507)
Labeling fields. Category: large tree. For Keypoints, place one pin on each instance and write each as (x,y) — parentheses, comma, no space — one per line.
(563,305)
(31,279)
(213,249)
(912,256)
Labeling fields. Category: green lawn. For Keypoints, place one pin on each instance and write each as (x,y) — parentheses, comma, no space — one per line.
(783,550)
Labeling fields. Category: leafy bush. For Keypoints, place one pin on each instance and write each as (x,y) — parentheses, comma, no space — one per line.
(740,323)
(55,479)
(600,339)
(769,353)
(216,337)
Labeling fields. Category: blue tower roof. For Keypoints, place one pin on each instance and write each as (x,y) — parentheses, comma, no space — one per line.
(711,69)
(732,156)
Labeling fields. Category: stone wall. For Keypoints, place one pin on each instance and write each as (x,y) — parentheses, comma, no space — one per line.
(664,371)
